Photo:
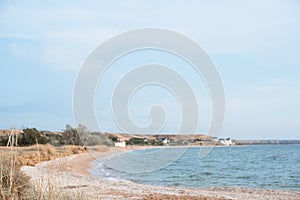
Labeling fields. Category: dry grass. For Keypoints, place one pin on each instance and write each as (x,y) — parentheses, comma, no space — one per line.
(30,156)
(14,184)
(52,192)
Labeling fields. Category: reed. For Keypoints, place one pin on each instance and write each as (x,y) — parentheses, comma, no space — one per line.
(14,184)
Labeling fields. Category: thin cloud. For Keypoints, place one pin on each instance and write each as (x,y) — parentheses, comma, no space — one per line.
(16,36)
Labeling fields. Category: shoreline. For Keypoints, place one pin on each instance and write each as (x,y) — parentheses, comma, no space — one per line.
(71,174)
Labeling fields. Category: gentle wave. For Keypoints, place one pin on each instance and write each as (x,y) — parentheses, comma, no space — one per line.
(267,167)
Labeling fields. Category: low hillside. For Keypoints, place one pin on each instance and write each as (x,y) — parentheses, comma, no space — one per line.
(81,136)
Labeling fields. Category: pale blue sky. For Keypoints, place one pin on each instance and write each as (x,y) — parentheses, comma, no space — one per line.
(254,44)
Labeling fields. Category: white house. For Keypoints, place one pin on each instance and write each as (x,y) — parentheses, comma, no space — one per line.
(165,141)
(226,142)
(120,144)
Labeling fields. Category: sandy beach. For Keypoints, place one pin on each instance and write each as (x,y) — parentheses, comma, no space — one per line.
(71,175)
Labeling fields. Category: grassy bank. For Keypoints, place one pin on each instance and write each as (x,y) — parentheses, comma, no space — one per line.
(14,184)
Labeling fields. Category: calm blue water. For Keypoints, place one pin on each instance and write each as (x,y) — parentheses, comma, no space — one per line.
(268,167)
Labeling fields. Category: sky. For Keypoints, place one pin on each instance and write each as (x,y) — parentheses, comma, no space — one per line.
(255,46)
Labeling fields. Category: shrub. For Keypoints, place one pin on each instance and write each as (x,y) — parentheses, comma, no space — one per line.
(14,184)
(113,138)
(136,141)
(81,136)
(71,137)
(31,136)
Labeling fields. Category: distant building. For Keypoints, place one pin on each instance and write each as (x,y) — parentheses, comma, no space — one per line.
(226,142)
(165,141)
(120,144)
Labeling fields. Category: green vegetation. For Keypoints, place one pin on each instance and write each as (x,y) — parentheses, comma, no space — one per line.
(70,136)
(31,136)
(144,142)
(113,138)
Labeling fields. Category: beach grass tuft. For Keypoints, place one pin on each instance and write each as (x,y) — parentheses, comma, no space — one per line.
(14,184)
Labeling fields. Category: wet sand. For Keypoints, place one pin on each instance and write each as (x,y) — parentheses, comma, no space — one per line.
(71,175)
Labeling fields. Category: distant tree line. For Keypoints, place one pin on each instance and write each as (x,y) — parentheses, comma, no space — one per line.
(144,142)
(69,136)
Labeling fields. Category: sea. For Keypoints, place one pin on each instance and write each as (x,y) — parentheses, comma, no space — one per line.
(253,166)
